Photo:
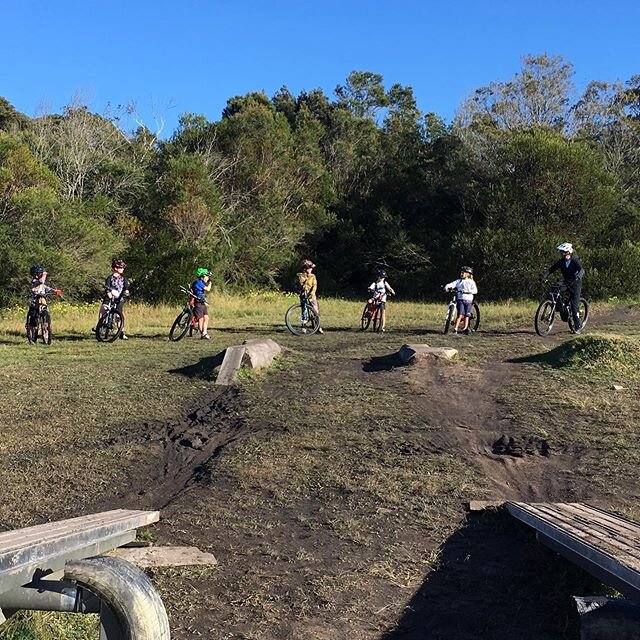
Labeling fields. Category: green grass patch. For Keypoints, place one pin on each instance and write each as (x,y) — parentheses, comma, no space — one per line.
(598,352)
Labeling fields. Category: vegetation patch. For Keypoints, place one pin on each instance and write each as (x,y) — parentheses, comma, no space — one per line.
(599,352)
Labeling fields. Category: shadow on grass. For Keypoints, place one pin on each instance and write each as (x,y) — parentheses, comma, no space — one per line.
(203,369)
(494,581)
(508,332)
(383,363)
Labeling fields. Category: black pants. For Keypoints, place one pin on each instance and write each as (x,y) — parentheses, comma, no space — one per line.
(574,289)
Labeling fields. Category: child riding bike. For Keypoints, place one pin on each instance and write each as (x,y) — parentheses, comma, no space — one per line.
(380,288)
(200,287)
(466,288)
(116,287)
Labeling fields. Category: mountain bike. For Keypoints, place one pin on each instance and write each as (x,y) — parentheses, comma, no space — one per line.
(111,324)
(372,313)
(301,318)
(186,320)
(39,320)
(557,299)
(451,315)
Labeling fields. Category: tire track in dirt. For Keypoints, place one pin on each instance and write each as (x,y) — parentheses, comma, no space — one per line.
(184,447)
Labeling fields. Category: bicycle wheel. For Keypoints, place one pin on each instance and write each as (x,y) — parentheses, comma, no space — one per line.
(180,326)
(365,321)
(545,315)
(449,318)
(302,320)
(474,320)
(583,314)
(377,319)
(45,327)
(110,326)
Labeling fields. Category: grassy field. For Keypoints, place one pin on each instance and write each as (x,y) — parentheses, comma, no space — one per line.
(336,491)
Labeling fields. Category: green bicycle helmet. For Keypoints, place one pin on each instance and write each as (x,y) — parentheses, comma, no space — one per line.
(201,271)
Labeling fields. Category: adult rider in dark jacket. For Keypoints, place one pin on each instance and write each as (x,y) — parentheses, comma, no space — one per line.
(572,272)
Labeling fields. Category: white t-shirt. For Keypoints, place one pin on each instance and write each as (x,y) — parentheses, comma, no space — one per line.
(381,288)
(466,288)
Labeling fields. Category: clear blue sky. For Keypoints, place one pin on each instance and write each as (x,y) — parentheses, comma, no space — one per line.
(177,56)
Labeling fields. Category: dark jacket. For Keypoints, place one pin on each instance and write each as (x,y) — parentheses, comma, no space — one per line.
(571,273)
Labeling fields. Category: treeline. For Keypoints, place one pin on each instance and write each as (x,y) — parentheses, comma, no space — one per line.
(354,181)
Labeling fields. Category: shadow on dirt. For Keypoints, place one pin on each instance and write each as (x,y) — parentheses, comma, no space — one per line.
(383,363)
(471,595)
(203,369)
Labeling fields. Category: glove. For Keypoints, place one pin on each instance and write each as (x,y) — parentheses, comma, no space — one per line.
(58,292)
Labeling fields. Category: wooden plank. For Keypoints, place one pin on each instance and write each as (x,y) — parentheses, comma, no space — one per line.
(232,362)
(481,505)
(122,519)
(621,548)
(609,559)
(589,532)
(165,556)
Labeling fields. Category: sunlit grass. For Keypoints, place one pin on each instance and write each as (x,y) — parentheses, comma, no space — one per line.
(265,310)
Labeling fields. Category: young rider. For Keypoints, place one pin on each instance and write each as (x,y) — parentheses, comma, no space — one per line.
(200,287)
(38,289)
(572,273)
(116,287)
(466,288)
(380,288)
(308,284)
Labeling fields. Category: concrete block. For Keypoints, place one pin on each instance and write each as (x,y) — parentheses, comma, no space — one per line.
(411,353)
(260,352)
(228,373)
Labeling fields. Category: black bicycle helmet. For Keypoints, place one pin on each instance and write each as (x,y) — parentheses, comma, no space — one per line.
(37,270)
(307,264)
(381,273)
(466,269)
(116,263)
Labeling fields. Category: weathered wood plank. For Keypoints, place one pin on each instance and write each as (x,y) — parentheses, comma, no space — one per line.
(593,539)
(164,556)
(621,547)
(121,519)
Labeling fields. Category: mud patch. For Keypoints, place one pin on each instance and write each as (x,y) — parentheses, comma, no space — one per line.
(520,446)
(184,448)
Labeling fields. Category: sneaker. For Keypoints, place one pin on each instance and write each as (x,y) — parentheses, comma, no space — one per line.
(467,331)
(124,336)
(93,329)
(455,331)
(205,336)
(383,330)
(320,330)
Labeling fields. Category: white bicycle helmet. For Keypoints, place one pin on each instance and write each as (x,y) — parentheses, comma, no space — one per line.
(565,247)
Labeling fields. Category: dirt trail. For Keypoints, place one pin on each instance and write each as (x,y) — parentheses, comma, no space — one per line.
(476,427)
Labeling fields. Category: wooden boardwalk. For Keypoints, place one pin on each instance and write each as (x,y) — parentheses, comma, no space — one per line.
(602,543)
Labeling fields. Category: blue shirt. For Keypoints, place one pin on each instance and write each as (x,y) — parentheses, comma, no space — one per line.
(198,288)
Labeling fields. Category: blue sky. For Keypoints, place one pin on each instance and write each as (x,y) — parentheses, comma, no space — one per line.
(172,57)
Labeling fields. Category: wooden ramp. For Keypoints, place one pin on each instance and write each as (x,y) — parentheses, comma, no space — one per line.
(603,544)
